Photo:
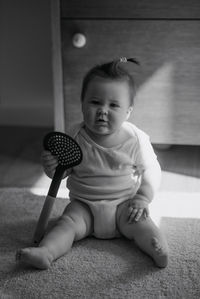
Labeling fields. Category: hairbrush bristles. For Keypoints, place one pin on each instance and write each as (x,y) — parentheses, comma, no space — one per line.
(64,147)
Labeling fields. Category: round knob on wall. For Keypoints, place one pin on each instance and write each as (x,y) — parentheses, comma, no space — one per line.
(79,40)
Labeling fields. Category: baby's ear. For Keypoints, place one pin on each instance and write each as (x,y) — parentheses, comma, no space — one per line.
(129,111)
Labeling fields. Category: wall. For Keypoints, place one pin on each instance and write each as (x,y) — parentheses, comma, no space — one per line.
(163,36)
(26,91)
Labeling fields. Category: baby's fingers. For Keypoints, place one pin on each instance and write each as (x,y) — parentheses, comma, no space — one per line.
(51,163)
(46,155)
(48,159)
(146,213)
(132,215)
(139,214)
(51,168)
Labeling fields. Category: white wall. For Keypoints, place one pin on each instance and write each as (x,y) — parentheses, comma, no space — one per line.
(26,91)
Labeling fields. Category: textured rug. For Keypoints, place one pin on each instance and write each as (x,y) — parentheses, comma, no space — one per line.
(100,268)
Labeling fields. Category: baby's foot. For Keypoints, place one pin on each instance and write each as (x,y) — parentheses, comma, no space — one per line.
(161,255)
(38,257)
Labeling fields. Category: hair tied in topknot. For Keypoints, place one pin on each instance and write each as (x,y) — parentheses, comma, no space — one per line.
(115,67)
(125,60)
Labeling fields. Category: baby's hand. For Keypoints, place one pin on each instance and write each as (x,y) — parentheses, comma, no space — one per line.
(49,163)
(137,209)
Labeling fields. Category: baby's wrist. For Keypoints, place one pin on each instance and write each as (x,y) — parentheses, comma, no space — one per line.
(141,198)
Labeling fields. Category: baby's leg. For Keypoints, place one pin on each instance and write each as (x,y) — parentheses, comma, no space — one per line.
(76,223)
(146,235)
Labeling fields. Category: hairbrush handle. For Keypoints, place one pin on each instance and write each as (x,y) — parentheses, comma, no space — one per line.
(69,154)
(48,205)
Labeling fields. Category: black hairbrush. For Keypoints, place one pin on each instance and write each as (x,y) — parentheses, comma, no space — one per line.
(69,154)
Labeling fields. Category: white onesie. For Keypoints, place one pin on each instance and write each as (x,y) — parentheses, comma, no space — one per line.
(107,177)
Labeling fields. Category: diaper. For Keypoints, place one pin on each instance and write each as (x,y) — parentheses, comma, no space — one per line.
(104,213)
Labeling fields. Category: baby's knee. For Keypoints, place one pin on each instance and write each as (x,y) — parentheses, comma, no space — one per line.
(76,224)
(66,221)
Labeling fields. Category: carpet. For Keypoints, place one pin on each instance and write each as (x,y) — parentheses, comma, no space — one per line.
(98,268)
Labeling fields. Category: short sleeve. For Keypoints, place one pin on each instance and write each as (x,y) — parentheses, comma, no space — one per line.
(145,155)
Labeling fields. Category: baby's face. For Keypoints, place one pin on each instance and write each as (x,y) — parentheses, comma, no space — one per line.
(106,105)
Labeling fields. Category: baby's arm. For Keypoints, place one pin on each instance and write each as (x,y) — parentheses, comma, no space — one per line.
(49,163)
(150,183)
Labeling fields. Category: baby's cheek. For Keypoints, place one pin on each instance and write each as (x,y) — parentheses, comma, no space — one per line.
(89,116)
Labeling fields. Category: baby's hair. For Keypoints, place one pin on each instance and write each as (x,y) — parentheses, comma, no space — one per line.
(111,70)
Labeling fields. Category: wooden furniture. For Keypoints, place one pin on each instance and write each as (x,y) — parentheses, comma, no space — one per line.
(162,35)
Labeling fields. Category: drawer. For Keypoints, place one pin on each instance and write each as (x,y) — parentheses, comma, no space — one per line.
(134,9)
(167,104)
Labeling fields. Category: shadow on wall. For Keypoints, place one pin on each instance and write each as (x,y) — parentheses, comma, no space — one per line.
(168,85)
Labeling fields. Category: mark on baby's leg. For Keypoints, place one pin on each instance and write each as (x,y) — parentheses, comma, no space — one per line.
(38,257)
(161,254)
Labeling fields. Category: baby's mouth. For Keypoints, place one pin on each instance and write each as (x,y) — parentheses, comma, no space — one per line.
(101,121)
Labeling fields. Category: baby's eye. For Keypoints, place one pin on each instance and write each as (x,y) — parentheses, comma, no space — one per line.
(95,102)
(114,105)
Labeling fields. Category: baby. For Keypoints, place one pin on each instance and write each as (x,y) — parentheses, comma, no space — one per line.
(111,189)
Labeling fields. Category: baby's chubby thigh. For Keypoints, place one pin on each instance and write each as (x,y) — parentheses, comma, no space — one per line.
(122,219)
(78,214)
(144,225)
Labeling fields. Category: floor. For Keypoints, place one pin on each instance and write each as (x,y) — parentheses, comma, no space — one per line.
(20,150)
(20,166)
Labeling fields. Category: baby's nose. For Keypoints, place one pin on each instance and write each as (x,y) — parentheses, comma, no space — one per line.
(102,111)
